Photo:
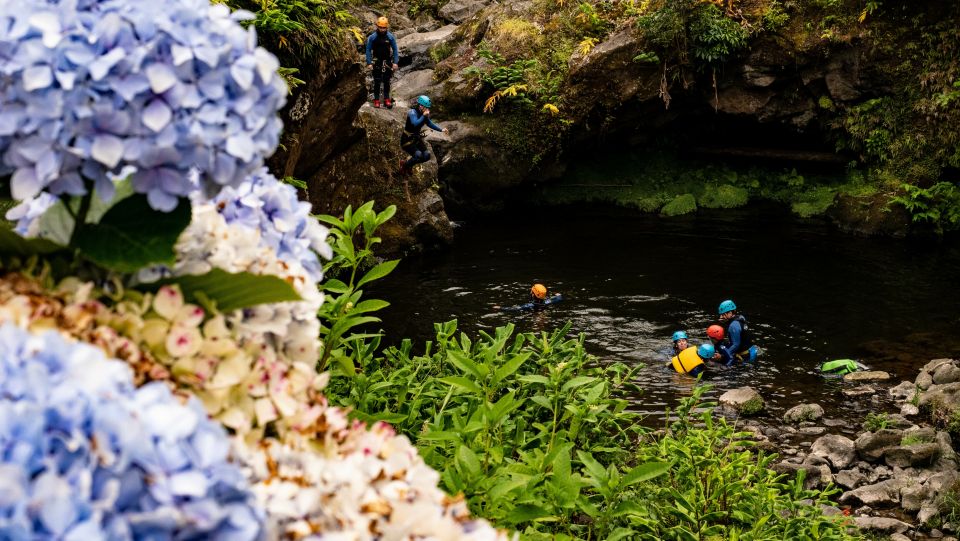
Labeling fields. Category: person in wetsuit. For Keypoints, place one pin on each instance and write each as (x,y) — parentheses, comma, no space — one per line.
(737,343)
(680,342)
(411,141)
(382,57)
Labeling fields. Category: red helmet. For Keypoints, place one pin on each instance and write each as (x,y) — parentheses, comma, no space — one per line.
(715,332)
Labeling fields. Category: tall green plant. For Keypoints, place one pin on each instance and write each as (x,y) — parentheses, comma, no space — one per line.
(528,427)
(351,268)
(719,487)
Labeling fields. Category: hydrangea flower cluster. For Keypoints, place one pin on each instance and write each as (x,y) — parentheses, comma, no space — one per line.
(263,203)
(291,328)
(88,456)
(367,484)
(92,86)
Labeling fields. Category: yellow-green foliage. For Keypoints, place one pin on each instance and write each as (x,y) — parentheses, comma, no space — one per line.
(515,38)
(724,196)
(681,204)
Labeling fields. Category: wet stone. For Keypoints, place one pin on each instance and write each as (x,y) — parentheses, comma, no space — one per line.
(813,430)
(744,401)
(862,390)
(946,373)
(868,375)
(839,451)
(909,410)
(835,422)
(903,391)
(898,537)
(883,525)
(935,533)
(849,479)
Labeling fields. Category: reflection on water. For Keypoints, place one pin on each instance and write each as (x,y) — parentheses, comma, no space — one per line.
(810,294)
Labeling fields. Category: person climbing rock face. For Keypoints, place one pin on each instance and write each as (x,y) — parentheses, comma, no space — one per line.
(411,141)
(382,58)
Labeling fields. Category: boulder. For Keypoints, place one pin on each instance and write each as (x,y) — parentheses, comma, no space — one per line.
(414,47)
(927,512)
(882,494)
(903,391)
(743,401)
(942,400)
(849,479)
(909,410)
(871,445)
(914,496)
(839,450)
(867,375)
(812,478)
(457,11)
(803,412)
(413,84)
(946,373)
(916,455)
(924,380)
(882,525)
(933,365)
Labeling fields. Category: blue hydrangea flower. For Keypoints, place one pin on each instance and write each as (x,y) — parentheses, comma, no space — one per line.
(90,86)
(264,203)
(84,455)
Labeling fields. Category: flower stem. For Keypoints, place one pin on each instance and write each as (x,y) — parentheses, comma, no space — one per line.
(81,217)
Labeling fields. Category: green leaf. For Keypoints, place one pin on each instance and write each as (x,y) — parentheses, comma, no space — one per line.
(378,272)
(468,460)
(439,435)
(576,382)
(464,363)
(596,470)
(534,379)
(509,367)
(620,533)
(526,513)
(12,243)
(645,472)
(231,291)
(370,305)
(131,235)
(461,382)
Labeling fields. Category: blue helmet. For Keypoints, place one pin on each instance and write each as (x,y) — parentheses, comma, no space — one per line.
(726,306)
(679,335)
(424,101)
(706,351)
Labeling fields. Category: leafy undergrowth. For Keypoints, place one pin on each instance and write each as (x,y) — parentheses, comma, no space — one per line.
(537,436)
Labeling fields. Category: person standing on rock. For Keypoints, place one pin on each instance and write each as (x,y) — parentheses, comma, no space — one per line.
(737,344)
(382,57)
(411,141)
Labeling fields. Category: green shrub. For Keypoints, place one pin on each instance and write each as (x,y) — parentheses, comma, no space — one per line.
(715,37)
(876,421)
(681,204)
(938,205)
(526,426)
(718,487)
(723,196)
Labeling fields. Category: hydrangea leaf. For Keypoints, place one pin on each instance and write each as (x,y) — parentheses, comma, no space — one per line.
(131,235)
(12,243)
(57,222)
(231,291)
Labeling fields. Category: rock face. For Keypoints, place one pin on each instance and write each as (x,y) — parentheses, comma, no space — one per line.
(369,169)
(803,412)
(744,401)
(457,11)
(414,46)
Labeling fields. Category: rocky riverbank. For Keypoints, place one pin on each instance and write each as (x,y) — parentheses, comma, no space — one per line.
(898,474)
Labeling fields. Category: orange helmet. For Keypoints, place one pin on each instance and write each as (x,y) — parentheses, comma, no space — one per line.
(382,22)
(715,332)
(539,291)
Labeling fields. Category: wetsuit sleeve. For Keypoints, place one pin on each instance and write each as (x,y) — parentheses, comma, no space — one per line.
(370,48)
(432,125)
(396,50)
(415,119)
(733,331)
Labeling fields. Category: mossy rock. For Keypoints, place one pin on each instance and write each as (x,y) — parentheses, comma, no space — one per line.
(682,204)
(724,196)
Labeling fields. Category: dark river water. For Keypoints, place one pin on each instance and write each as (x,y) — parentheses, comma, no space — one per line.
(810,294)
